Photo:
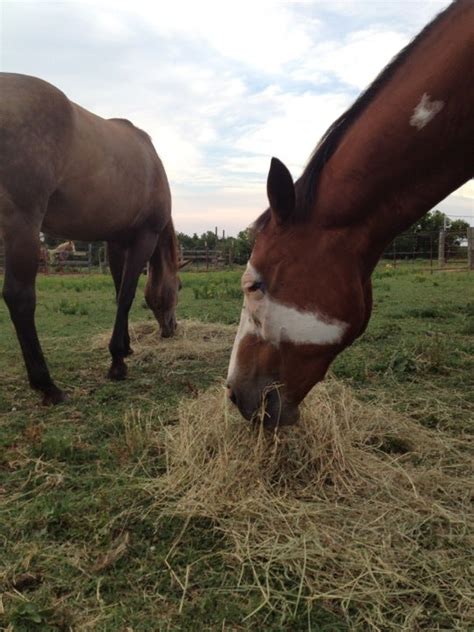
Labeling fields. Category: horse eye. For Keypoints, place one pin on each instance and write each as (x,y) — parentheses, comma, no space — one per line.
(258,285)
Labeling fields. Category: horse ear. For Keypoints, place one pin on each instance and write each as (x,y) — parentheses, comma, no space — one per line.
(280,191)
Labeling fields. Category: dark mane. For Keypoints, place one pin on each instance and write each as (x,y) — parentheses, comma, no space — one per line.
(260,223)
(171,252)
(306,184)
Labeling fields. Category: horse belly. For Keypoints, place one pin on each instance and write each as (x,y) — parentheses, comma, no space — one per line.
(93,217)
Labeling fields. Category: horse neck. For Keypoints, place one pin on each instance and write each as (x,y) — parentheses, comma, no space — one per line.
(411,146)
(164,261)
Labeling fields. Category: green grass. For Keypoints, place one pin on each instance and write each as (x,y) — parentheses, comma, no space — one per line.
(82,544)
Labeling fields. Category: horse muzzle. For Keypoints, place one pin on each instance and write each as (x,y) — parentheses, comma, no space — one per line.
(168,327)
(267,406)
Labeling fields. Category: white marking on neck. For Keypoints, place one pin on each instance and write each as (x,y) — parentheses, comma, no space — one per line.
(425,111)
(275,323)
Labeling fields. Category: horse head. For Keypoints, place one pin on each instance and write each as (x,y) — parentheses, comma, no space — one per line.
(305,300)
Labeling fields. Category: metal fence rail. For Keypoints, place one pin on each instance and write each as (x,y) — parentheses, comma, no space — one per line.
(440,250)
(433,251)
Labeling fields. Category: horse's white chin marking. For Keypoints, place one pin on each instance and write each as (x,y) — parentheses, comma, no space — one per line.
(282,323)
(425,111)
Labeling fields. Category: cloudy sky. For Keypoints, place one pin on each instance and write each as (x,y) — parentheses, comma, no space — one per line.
(220,86)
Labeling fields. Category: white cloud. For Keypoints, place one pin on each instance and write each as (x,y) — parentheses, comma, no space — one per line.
(409,15)
(466,191)
(263,35)
(228,208)
(295,123)
(110,26)
(355,61)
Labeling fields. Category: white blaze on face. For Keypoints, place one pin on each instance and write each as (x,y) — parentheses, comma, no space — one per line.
(275,322)
(425,111)
(246,327)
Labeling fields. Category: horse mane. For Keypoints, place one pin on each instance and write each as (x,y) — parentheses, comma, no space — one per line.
(306,185)
(168,242)
(130,124)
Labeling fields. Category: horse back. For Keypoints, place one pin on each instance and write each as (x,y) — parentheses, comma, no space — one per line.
(93,177)
(118,157)
(112,179)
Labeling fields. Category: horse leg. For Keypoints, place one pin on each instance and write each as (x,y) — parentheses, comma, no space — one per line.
(21,265)
(116,253)
(136,256)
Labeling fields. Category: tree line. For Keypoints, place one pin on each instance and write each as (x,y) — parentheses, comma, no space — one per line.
(238,248)
(422,238)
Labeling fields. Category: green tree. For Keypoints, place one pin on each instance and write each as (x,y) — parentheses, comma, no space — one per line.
(210,239)
(432,221)
(242,246)
(422,239)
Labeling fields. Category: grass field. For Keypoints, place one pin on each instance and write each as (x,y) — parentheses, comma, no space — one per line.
(83,543)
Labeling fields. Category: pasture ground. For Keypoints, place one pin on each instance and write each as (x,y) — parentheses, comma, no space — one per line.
(84,544)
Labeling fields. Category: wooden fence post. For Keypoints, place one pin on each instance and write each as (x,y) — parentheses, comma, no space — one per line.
(441,248)
(103,257)
(470,248)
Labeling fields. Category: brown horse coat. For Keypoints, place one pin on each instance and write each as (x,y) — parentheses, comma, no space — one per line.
(68,172)
(404,145)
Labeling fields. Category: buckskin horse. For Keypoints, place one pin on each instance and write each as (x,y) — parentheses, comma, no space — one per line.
(66,171)
(404,145)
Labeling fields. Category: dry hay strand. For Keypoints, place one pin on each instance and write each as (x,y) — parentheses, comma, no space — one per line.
(357,509)
(193,340)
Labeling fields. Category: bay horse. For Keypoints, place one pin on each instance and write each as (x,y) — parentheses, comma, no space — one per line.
(68,172)
(404,145)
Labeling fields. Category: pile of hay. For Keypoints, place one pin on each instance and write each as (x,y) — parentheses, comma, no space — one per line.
(193,340)
(357,509)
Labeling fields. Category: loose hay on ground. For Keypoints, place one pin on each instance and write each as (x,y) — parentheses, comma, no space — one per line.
(193,340)
(357,508)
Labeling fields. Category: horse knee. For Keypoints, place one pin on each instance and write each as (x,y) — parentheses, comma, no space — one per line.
(9,294)
(20,300)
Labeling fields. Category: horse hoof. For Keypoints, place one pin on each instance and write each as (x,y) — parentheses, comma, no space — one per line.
(117,372)
(54,396)
(168,333)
